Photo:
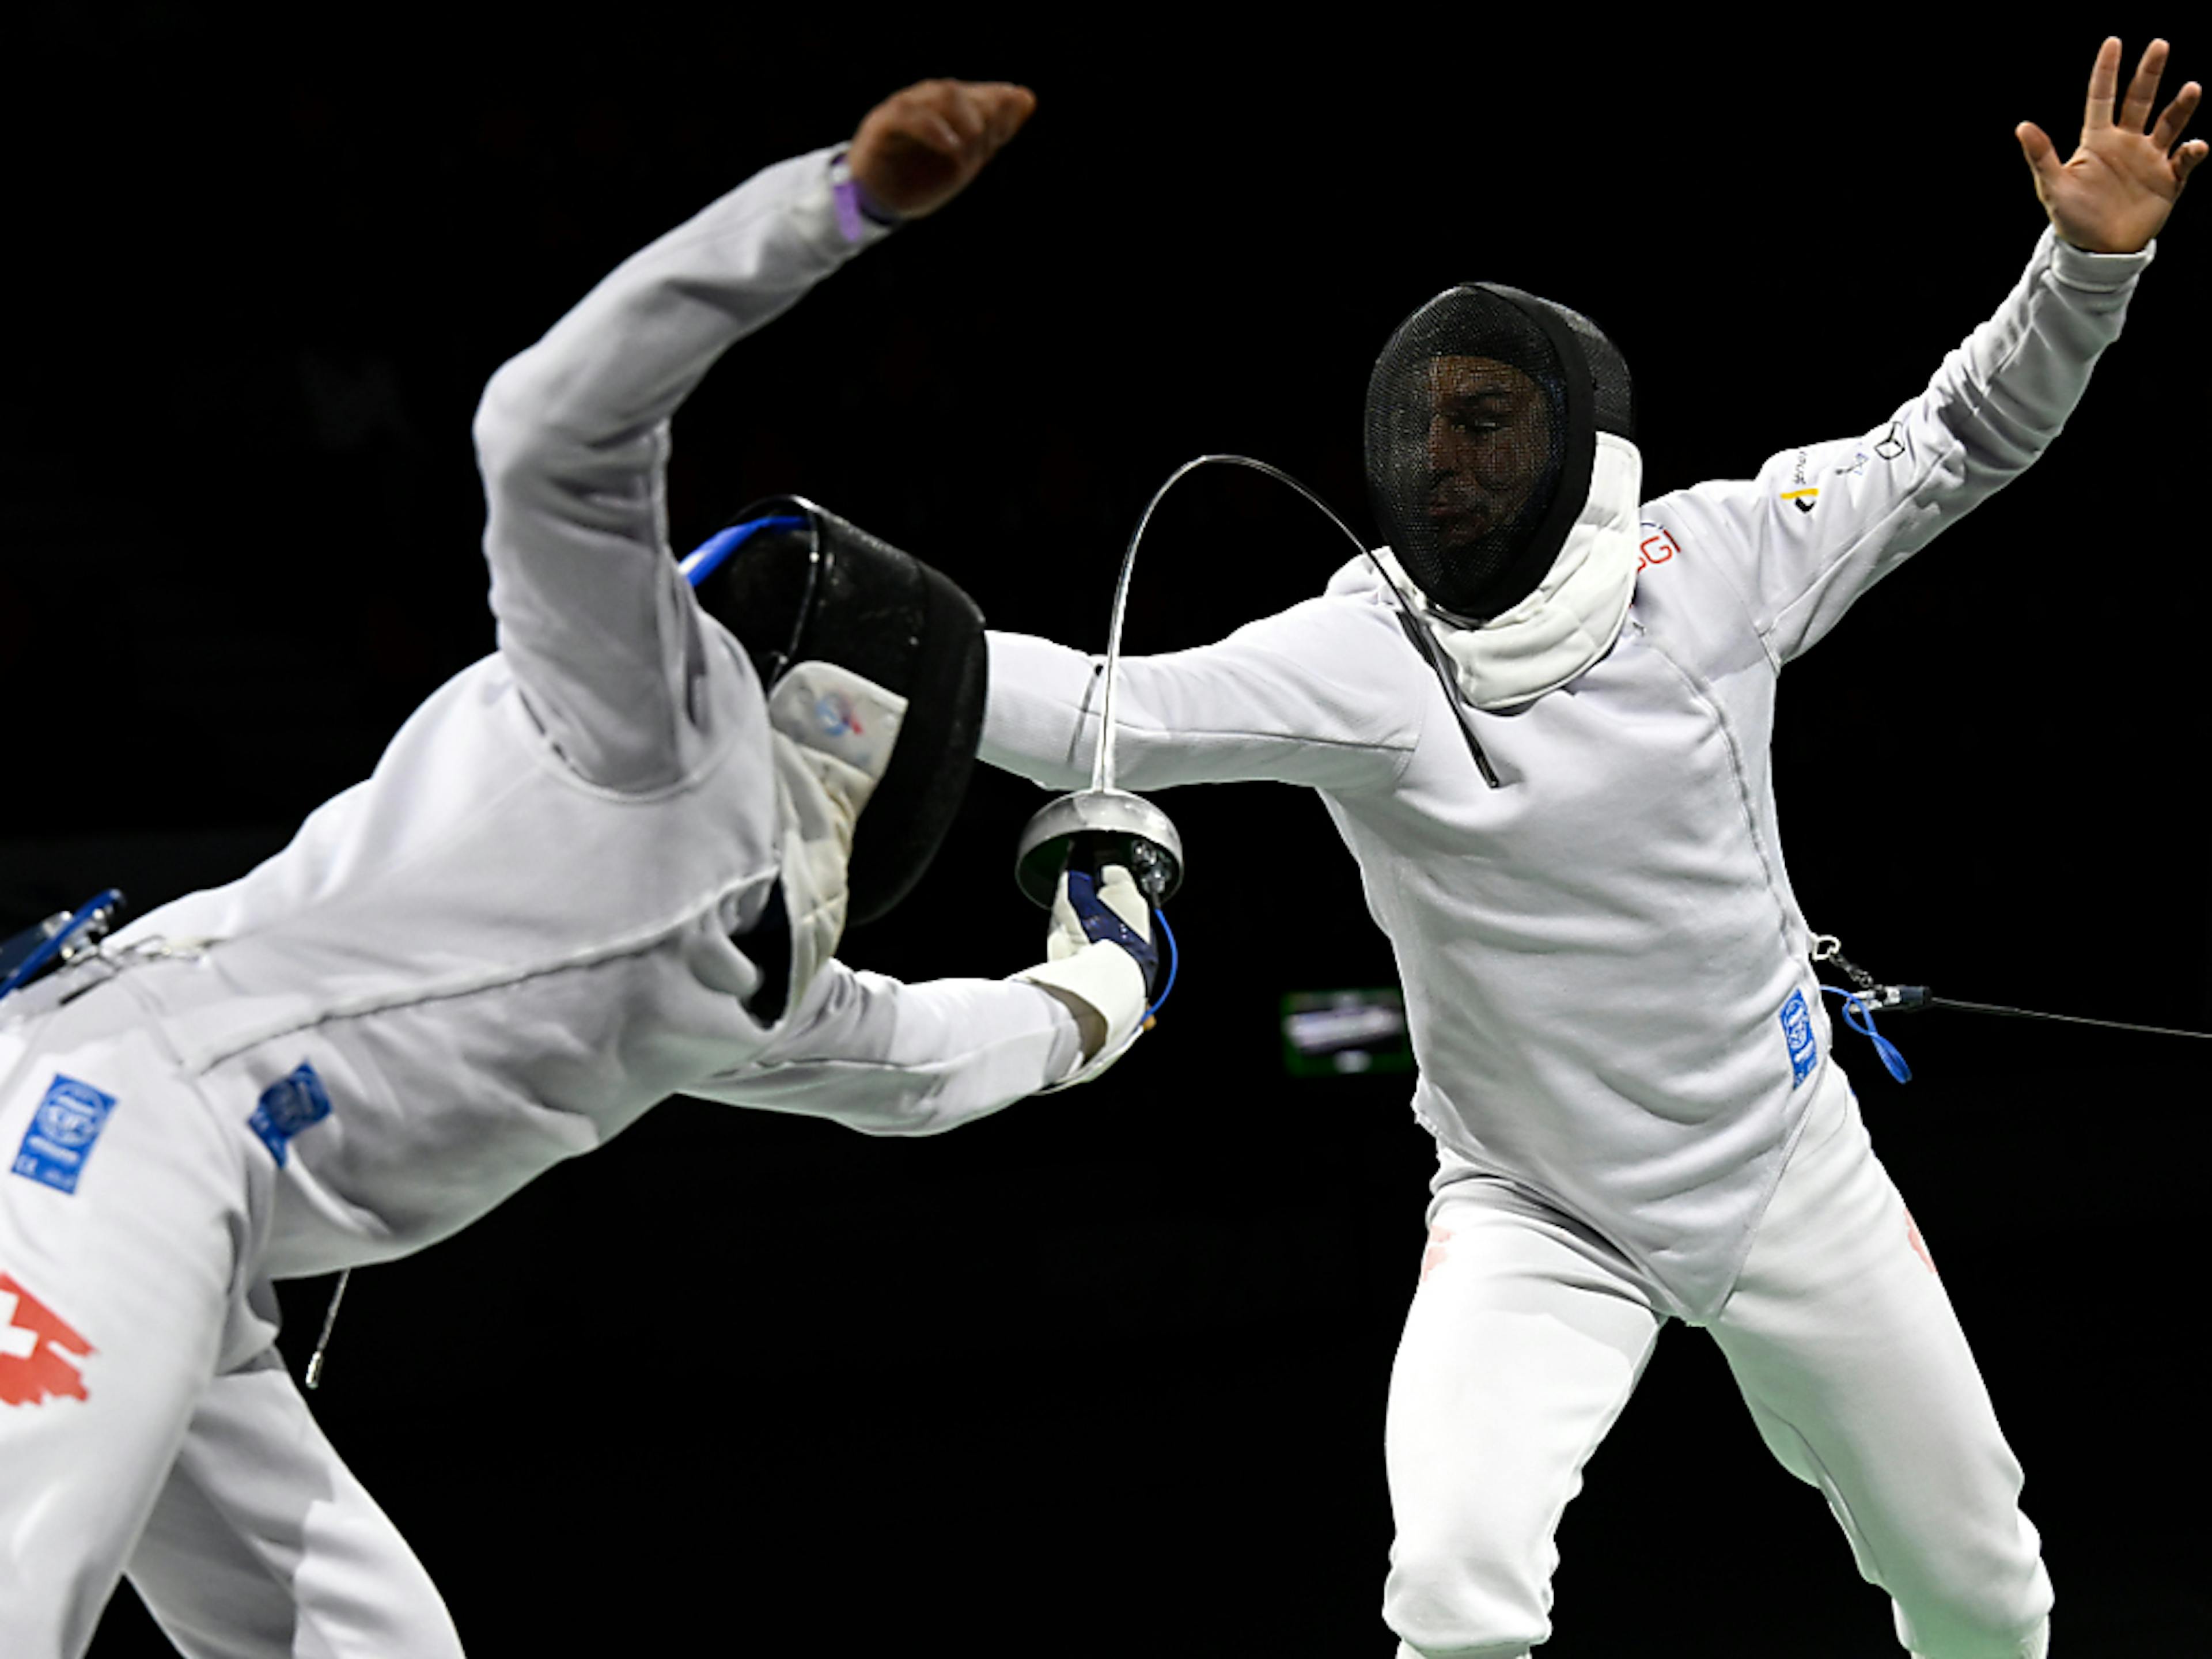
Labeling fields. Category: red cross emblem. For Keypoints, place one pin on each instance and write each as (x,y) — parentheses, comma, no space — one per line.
(34,1350)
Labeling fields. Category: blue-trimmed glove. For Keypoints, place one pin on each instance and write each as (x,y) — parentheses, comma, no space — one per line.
(1100,951)
(1106,918)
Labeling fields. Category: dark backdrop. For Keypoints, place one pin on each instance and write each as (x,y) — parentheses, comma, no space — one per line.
(1105,1374)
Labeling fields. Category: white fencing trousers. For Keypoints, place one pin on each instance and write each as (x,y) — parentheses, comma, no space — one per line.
(1527,1335)
(147,1423)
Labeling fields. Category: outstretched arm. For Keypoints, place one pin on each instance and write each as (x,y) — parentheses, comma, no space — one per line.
(1327,693)
(1821,524)
(600,630)
(892,1058)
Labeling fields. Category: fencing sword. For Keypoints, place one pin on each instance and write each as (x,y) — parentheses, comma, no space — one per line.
(1107,823)
(1131,828)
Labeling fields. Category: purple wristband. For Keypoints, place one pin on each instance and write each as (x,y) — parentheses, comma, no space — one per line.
(856,210)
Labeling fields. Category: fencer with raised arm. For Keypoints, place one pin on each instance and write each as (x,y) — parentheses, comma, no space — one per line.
(604,864)
(1623,1055)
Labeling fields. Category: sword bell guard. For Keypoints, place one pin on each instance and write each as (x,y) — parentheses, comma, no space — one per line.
(1142,837)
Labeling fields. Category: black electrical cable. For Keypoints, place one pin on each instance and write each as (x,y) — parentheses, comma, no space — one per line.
(1912,999)
(1927,1001)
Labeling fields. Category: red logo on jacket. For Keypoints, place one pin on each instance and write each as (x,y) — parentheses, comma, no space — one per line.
(34,1350)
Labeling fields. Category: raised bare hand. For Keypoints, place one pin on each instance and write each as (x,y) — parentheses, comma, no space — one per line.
(920,147)
(2113,194)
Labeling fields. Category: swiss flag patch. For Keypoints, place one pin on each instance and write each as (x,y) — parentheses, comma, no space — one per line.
(35,1347)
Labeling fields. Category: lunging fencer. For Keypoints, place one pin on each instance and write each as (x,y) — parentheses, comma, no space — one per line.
(1553,771)
(608,863)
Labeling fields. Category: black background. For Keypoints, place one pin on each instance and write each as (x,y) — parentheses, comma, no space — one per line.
(1105,1374)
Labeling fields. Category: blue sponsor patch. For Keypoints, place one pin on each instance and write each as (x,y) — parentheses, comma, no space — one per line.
(63,1133)
(1798,1029)
(289,1105)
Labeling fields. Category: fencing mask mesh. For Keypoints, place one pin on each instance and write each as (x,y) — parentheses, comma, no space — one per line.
(811,588)
(1482,415)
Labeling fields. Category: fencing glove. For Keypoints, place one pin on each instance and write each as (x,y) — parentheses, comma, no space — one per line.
(1100,952)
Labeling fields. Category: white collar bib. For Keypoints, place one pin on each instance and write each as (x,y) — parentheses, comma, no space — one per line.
(1576,613)
(831,733)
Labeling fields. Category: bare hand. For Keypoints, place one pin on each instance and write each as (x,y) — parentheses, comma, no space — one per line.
(920,147)
(2112,194)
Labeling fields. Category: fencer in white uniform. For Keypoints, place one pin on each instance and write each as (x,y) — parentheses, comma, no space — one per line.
(1623,1053)
(605,864)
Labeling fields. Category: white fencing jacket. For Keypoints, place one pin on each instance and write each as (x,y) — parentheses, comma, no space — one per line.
(516,935)
(1602,959)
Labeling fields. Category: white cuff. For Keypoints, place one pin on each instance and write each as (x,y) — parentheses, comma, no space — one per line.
(1105,976)
(2097,273)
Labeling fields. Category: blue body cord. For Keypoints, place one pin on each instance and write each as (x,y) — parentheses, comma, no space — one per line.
(1174,957)
(83,917)
(1860,1019)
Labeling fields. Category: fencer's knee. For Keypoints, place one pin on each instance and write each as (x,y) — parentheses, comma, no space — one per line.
(1511,1650)
(1975,1627)
(1459,1605)
(1408,1651)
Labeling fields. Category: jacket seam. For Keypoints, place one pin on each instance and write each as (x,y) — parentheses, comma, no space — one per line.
(205,1059)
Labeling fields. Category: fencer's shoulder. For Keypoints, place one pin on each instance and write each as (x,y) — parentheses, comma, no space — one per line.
(1341,647)
(1355,579)
(1694,526)
(1330,622)
(1696,571)
(1357,599)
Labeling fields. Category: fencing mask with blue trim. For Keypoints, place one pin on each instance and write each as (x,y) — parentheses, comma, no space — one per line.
(830,616)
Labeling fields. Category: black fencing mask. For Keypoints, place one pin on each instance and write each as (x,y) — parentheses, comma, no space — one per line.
(807,586)
(1482,417)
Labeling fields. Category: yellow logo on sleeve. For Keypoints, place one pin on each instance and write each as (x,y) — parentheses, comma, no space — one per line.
(1801,494)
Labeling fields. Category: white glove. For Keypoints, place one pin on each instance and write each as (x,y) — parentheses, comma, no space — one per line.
(1100,953)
